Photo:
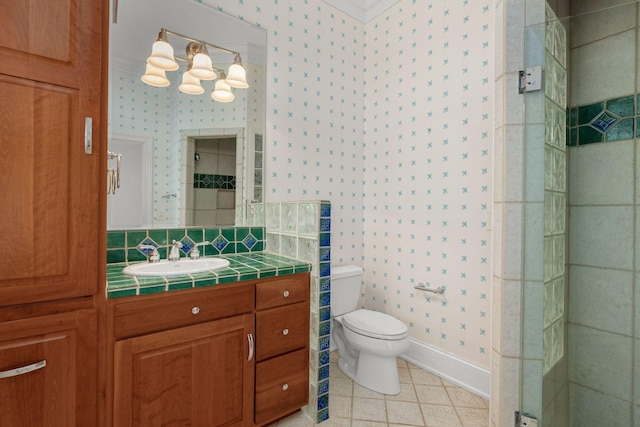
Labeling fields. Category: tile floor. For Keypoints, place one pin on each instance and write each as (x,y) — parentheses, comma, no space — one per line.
(425,400)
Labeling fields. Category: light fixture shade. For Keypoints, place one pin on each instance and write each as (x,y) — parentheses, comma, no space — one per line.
(162,56)
(202,67)
(222,92)
(237,76)
(155,76)
(190,84)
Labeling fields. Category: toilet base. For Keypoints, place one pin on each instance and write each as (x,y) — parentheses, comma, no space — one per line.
(375,373)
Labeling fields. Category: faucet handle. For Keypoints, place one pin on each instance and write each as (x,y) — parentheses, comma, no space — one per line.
(195,252)
(174,253)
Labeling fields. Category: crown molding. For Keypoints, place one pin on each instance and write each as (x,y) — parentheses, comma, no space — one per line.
(362,10)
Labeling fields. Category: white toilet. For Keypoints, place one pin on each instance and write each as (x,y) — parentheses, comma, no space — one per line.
(367,341)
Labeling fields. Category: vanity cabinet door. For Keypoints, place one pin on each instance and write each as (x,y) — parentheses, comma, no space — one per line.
(50,81)
(200,375)
(48,371)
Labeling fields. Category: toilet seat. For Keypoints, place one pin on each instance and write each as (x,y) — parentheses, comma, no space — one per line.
(375,325)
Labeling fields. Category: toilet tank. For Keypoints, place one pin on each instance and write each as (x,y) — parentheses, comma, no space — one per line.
(346,281)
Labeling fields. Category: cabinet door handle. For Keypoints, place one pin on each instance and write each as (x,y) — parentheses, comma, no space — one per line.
(195,310)
(88,135)
(286,294)
(285,332)
(23,370)
(250,339)
(285,387)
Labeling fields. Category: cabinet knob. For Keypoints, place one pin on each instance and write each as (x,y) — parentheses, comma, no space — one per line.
(285,332)
(285,293)
(195,310)
(285,387)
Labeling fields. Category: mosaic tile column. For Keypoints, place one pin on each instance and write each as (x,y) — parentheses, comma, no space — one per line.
(302,230)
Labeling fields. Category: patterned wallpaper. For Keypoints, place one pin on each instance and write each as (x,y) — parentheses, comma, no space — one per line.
(392,122)
(427,181)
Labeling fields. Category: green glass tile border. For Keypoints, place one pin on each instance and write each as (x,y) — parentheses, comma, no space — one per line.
(214,181)
(623,107)
(148,290)
(116,239)
(179,286)
(581,129)
(121,293)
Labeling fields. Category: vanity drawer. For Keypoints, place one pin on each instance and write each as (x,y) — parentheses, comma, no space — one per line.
(285,290)
(282,386)
(160,312)
(280,330)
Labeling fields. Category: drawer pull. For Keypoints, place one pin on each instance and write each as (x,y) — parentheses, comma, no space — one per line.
(195,310)
(250,339)
(23,370)
(285,332)
(285,387)
(286,294)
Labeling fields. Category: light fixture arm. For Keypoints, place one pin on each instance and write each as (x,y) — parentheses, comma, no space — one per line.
(200,42)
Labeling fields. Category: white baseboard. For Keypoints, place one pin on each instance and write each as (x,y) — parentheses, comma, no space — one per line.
(473,378)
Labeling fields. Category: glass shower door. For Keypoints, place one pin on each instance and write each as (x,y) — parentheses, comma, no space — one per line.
(544,391)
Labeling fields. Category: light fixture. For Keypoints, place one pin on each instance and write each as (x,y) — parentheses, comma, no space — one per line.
(237,75)
(155,76)
(199,67)
(222,91)
(162,54)
(190,84)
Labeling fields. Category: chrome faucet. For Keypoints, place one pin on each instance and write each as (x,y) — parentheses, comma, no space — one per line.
(154,256)
(195,252)
(174,253)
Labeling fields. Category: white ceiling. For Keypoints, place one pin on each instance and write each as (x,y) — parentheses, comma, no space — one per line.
(362,10)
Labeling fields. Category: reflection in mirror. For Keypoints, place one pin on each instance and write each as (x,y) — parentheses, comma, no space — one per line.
(161,131)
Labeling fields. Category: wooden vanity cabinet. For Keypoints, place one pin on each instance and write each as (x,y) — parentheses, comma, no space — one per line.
(199,375)
(282,347)
(184,358)
(214,356)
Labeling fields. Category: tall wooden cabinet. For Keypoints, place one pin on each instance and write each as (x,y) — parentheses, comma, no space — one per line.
(50,221)
(50,87)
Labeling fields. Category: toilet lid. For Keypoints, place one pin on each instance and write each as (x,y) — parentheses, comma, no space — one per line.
(375,324)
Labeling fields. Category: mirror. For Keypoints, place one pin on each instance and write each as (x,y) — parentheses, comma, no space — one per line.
(186,160)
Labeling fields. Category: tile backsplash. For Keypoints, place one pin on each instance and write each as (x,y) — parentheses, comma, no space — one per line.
(125,245)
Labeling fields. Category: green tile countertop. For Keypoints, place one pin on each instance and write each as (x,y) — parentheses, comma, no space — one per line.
(241,267)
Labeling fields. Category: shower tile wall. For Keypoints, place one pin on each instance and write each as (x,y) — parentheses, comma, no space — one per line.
(302,230)
(214,182)
(603,257)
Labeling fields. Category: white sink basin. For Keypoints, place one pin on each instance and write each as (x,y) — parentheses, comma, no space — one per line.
(174,268)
